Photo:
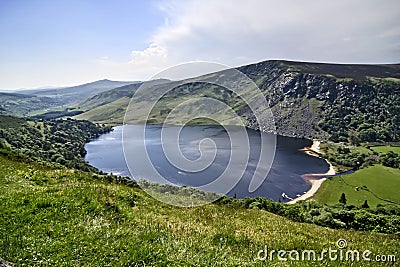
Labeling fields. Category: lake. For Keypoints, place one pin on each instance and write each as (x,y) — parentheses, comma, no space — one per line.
(107,154)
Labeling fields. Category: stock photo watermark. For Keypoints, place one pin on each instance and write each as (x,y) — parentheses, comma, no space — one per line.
(338,253)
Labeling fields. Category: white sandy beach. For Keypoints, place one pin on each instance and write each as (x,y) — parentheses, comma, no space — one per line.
(315,146)
(314,150)
(315,185)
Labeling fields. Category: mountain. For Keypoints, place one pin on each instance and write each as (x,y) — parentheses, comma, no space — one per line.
(342,102)
(112,95)
(52,102)
(354,103)
(54,214)
(109,96)
(110,106)
(68,95)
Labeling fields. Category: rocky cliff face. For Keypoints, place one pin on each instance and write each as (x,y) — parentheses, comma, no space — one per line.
(324,101)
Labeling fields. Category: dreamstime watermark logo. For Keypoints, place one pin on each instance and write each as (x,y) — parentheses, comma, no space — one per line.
(338,253)
(184,95)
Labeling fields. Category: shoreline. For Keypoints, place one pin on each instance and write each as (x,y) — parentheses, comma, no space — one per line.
(312,178)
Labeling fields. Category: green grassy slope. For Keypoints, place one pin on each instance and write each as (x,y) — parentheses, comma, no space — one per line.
(64,217)
(382,184)
(111,113)
(106,97)
(386,149)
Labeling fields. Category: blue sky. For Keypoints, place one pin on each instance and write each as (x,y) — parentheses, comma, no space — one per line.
(52,37)
(55,42)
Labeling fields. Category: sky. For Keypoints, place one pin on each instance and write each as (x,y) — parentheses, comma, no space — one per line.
(62,43)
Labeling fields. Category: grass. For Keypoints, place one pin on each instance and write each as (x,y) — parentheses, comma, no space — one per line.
(189,98)
(111,113)
(386,149)
(64,217)
(382,184)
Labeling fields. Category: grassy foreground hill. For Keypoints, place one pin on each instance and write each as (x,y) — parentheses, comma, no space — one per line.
(52,216)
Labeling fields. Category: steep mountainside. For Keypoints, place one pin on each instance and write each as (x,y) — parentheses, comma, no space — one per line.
(354,103)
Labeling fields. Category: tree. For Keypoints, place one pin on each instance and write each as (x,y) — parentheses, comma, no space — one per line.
(367,135)
(391,159)
(343,150)
(343,199)
(365,205)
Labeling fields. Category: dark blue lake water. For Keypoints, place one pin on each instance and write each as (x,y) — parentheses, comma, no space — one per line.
(289,164)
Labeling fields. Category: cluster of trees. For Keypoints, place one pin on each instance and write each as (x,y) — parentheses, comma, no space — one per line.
(366,111)
(56,114)
(391,159)
(355,159)
(351,159)
(58,141)
(383,219)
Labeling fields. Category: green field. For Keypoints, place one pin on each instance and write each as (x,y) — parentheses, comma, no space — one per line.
(64,217)
(386,149)
(382,183)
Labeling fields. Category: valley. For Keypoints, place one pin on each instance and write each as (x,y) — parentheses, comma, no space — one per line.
(199,133)
(57,209)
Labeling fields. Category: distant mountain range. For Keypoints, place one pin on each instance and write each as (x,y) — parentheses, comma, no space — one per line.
(79,92)
(343,102)
(19,104)
(30,102)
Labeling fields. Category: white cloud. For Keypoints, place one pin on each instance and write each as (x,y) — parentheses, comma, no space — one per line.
(153,53)
(235,32)
(142,65)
